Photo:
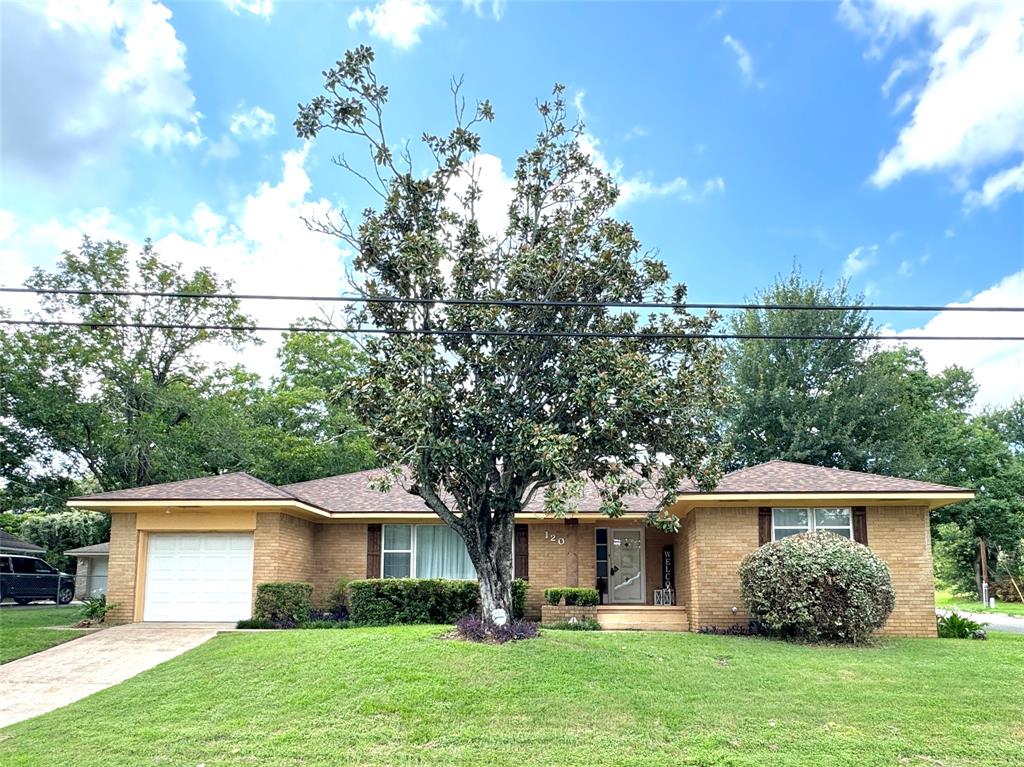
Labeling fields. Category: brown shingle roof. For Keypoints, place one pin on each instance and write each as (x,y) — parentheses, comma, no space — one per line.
(789,477)
(351,493)
(238,486)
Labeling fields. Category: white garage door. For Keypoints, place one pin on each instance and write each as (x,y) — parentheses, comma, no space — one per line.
(198,577)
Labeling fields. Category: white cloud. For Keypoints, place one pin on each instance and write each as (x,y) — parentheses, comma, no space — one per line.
(641,187)
(899,69)
(577,102)
(396,21)
(998,365)
(496,190)
(969,114)
(256,123)
(906,268)
(256,7)
(84,79)
(637,131)
(261,244)
(743,60)
(996,186)
(859,259)
(482,7)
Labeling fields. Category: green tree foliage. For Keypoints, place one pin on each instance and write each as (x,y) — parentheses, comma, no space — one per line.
(101,408)
(302,427)
(855,405)
(65,530)
(802,400)
(126,405)
(481,423)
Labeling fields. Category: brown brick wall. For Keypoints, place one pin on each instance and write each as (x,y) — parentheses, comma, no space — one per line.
(717,540)
(549,558)
(124,543)
(560,613)
(901,535)
(722,537)
(283,549)
(340,553)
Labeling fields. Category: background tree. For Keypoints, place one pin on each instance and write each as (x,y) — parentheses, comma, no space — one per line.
(65,530)
(122,404)
(802,400)
(302,426)
(481,422)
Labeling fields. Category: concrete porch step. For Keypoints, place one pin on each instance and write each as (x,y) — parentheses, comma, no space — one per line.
(643,618)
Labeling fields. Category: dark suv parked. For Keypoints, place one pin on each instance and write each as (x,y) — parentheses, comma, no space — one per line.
(26,579)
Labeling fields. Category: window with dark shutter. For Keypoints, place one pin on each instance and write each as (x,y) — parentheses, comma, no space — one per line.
(522,549)
(860,524)
(373,541)
(764,525)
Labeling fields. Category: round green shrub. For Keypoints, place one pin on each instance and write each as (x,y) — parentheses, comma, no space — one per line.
(817,586)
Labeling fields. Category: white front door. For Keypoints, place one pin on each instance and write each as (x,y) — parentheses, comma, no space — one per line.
(626,566)
(198,577)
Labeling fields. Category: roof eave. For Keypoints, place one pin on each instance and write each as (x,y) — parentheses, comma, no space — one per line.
(931,499)
(193,504)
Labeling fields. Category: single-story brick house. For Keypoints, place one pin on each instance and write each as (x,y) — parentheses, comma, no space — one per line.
(194,550)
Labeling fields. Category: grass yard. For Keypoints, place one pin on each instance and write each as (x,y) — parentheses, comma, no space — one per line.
(949,601)
(23,630)
(403,696)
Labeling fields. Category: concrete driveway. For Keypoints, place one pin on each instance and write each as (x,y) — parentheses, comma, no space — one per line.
(1011,624)
(68,672)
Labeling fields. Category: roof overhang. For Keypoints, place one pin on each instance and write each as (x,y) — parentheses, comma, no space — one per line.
(299,508)
(932,500)
(126,506)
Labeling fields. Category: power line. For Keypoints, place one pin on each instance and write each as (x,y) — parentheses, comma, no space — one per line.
(509,302)
(503,333)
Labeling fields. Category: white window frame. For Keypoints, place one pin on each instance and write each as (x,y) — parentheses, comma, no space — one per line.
(812,524)
(412,551)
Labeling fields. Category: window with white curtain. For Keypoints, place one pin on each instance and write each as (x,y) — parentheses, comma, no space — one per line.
(425,551)
(793,521)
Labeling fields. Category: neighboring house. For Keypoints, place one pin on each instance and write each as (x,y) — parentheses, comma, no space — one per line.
(90,569)
(12,544)
(194,550)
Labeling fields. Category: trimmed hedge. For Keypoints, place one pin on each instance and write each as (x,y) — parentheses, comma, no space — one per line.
(817,586)
(283,604)
(386,601)
(573,596)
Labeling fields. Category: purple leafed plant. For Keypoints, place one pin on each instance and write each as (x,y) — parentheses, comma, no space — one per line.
(473,628)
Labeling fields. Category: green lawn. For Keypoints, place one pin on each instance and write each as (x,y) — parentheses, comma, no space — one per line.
(23,629)
(948,600)
(404,696)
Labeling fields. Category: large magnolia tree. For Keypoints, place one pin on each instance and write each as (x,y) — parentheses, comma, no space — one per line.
(478,407)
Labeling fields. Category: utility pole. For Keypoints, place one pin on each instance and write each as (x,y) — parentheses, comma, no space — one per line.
(984,571)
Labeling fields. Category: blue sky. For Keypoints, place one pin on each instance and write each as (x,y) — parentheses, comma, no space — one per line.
(875,141)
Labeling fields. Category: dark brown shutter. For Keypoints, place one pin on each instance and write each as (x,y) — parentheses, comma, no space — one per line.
(860,524)
(373,542)
(764,525)
(522,559)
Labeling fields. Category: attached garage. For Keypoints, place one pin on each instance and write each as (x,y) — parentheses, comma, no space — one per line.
(198,577)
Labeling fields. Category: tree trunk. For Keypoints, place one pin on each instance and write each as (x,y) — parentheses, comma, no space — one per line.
(490,550)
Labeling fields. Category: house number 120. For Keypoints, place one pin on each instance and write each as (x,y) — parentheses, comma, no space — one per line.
(558,540)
